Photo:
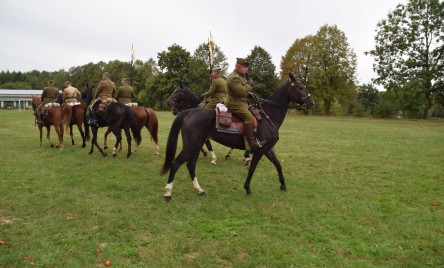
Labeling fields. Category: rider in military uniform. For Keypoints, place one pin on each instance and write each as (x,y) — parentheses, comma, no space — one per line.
(125,94)
(49,95)
(70,93)
(105,90)
(218,89)
(238,89)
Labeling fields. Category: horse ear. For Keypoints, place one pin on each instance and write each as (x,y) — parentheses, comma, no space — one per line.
(292,77)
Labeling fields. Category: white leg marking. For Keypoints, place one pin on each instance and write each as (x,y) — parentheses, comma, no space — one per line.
(114,150)
(197,186)
(168,189)
(213,157)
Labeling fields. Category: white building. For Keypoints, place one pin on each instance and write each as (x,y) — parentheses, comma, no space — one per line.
(17,98)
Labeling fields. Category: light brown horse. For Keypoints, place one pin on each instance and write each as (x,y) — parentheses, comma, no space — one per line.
(145,117)
(75,115)
(54,116)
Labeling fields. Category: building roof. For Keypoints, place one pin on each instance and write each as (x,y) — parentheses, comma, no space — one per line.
(20,92)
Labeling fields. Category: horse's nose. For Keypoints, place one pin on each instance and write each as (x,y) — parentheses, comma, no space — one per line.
(170,102)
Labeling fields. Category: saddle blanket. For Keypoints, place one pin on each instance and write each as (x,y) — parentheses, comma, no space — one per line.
(51,104)
(73,103)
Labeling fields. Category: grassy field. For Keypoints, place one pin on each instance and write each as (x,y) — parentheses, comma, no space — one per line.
(361,193)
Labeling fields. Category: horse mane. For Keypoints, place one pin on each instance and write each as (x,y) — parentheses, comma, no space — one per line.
(192,98)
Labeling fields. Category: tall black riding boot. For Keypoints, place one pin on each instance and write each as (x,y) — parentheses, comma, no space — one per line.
(93,117)
(252,141)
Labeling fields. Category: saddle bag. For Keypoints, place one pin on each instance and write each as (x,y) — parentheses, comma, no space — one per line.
(101,108)
(224,118)
(256,112)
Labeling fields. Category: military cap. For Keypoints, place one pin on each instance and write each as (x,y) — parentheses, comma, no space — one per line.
(106,74)
(67,83)
(125,79)
(242,62)
(217,69)
(50,82)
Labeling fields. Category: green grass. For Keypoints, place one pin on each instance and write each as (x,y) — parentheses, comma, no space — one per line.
(361,193)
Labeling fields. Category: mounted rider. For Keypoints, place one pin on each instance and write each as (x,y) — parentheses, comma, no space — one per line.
(105,90)
(125,93)
(70,93)
(238,89)
(218,90)
(49,95)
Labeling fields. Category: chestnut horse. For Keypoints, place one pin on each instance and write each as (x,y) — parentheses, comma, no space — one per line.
(144,117)
(54,116)
(198,124)
(75,115)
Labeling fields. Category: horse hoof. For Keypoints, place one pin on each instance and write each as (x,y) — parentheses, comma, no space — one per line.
(283,188)
(227,157)
(106,147)
(205,154)
(167,198)
(52,145)
(84,145)
(114,155)
(203,193)
(105,154)
(213,162)
(90,152)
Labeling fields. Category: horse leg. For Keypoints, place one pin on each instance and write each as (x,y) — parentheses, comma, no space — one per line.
(175,165)
(105,142)
(59,130)
(210,149)
(204,152)
(128,140)
(94,130)
(70,134)
(48,136)
(79,127)
(256,157)
(272,157)
(41,134)
(118,134)
(228,155)
(191,165)
(247,158)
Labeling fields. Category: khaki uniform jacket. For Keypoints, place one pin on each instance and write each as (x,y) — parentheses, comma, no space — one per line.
(106,89)
(216,94)
(237,96)
(71,94)
(49,95)
(125,94)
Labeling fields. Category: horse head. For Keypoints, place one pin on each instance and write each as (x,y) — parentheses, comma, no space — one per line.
(301,95)
(176,100)
(35,102)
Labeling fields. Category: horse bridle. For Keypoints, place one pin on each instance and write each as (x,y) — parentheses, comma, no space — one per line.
(179,106)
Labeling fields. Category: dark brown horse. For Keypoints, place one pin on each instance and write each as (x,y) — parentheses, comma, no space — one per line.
(199,124)
(117,117)
(54,116)
(145,117)
(182,99)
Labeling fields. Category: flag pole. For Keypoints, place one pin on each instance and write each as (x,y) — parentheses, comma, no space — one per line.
(132,64)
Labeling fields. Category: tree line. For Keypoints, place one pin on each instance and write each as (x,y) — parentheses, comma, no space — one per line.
(408,59)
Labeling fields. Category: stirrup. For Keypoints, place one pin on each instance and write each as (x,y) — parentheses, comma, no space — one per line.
(93,122)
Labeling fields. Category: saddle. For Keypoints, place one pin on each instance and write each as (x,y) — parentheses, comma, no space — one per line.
(72,103)
(104,104)
(48,106)
(132,104)
(228,123)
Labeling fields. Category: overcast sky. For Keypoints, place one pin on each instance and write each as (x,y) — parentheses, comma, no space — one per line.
(57,34)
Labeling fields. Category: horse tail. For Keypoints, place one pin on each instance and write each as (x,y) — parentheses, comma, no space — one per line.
(67,114)
(172,143)
(129,117)
(153,124)
(85,124)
